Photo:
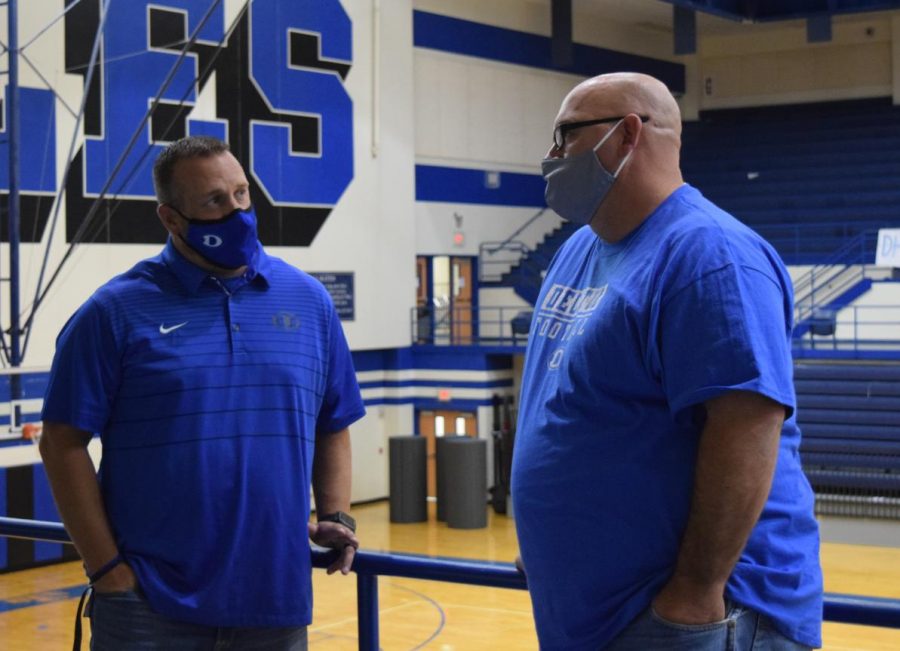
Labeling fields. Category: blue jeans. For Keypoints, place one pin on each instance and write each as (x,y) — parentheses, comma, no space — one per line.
(123,621)
(741,630)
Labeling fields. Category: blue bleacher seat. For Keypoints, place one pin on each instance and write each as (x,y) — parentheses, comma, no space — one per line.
(850,418)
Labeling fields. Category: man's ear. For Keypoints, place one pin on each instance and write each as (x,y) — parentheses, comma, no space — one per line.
(169,218)
(632,126)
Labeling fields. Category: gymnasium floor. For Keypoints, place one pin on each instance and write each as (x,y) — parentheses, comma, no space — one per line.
(37,606)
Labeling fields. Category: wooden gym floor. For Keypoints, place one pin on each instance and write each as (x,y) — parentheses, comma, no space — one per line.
(37,606)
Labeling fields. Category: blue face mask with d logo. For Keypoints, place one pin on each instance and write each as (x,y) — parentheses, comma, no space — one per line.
(229,242)
(577,185)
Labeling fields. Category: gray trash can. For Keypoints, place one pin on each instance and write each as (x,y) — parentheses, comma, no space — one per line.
(407,479)
(440,477)
(464,461)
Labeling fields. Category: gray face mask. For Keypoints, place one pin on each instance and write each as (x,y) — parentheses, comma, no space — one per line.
(577,185)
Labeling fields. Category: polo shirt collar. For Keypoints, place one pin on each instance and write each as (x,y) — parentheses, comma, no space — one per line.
(192,276)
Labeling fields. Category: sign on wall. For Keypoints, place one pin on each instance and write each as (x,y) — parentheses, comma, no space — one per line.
(888,252)
(340,286)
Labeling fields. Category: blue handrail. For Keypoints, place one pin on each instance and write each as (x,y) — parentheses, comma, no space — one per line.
(847,609)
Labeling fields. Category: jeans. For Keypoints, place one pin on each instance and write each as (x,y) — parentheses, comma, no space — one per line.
(123,621)
(741,630)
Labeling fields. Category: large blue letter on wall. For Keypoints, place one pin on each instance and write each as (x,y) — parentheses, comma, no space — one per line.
(302,178)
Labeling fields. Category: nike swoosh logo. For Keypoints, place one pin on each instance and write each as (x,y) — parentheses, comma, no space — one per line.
(163,330)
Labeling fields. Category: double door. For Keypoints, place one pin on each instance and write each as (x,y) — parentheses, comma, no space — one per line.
(444,300)
(437,423)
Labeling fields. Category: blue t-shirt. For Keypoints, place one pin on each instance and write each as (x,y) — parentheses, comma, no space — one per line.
(209,396)
(628,339)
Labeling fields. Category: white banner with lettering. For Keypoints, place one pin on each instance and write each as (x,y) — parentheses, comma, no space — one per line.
(888,253)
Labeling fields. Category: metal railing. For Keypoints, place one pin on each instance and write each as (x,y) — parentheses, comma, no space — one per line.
(460,326)
(837,274)
(852,331)
(846,609)
(793,240)
(497,258)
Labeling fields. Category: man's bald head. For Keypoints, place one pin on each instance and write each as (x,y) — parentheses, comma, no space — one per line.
(621,93)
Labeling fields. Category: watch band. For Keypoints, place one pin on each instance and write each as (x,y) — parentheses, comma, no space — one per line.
(341,518)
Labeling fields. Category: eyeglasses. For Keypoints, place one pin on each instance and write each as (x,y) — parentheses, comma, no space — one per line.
(559,133)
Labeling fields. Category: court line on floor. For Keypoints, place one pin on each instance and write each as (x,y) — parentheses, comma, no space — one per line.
(382,611)
(433,603)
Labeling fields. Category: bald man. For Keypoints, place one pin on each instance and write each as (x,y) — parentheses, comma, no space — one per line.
(659,498)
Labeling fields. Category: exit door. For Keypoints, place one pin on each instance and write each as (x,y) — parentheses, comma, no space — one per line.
(434,424)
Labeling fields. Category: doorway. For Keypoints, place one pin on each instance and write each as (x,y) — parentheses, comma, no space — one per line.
(434,424)
(446,300)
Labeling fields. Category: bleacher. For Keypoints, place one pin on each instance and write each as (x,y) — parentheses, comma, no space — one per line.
(807,177)
(849,415)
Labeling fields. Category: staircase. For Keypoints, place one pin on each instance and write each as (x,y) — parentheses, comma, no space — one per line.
(526,275)
(844,276)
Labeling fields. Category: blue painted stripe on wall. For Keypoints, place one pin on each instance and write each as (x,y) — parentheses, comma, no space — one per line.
(469,38)
(431,403)
(32,385)
(463,185)
(7,443)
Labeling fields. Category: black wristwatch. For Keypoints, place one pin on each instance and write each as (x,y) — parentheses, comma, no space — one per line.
(341,518)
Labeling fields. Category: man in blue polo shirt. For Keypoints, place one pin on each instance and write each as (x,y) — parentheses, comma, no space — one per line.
(222,387)
(660,502)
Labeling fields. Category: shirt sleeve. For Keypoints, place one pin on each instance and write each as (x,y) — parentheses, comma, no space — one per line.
(342,404)
(728,330)
(85,373)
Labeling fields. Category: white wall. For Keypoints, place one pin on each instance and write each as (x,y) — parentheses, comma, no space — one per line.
(485,114)
(476,113)
(436,223)
(370,448)
(874,315)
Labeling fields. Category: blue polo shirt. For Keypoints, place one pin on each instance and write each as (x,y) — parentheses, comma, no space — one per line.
(208,396)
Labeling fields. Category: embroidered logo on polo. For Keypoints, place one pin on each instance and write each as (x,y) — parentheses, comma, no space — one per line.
(563,315)
(164,329)
(286,321)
